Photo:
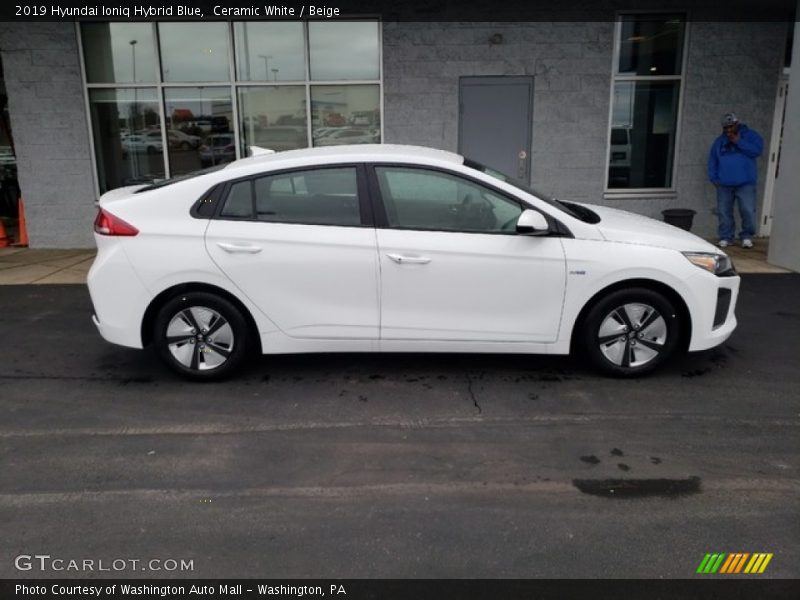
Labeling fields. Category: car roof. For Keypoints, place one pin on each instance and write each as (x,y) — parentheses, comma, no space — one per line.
(347,152)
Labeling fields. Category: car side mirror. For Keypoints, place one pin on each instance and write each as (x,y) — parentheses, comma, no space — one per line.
(532,222)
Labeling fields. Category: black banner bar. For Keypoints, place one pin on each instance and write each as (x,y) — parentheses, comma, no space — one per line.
(731,588)
(389,10)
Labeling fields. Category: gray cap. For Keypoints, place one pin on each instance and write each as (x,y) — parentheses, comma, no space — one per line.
(729,119)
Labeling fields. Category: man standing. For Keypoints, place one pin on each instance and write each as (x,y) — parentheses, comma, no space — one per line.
(732,169)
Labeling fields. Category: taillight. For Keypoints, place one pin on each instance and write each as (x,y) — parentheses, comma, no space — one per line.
(108,224)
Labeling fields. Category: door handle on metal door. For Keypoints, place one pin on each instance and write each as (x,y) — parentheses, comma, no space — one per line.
(522,171)
(247,249)
(409,260)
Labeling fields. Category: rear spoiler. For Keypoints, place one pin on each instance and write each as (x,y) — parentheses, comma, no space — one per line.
(259,151)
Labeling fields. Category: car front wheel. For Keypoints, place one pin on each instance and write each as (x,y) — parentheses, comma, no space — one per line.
(201,336)
(631,332)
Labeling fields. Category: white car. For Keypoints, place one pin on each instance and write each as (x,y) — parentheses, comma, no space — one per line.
(394,249)
(142,143)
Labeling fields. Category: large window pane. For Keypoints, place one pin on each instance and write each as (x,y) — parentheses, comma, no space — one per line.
(343,50)
(127,138)
(651,45)
(194,51)
(119,52)
(269,51)
(273,117)
(644,119)
(199,126)
(345,114)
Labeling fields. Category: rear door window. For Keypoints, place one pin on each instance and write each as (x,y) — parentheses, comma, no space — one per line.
(313,196)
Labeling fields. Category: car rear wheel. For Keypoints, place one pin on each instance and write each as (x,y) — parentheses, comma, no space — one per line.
(201,336)
(630,332)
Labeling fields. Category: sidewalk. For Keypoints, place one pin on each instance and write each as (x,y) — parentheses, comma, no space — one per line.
(23,265)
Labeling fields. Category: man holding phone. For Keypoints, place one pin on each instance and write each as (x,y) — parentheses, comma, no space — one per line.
(732,169)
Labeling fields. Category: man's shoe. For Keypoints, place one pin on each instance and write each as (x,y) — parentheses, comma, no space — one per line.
(723,243)
(747,243)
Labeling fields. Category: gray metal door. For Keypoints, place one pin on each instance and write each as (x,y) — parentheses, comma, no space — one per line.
(494,125)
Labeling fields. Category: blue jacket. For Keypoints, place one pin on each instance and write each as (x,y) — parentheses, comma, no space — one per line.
(735,164)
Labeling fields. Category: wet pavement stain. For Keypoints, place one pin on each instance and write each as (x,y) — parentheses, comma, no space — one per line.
(592,459)
(788,315)
(638,488)
(362,398)
(617,452)
(533,396)
(695,373)
(623,467)
(129,380)
(550,378)
(655,460)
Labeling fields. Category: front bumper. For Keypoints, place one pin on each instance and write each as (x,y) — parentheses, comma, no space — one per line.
(713,310)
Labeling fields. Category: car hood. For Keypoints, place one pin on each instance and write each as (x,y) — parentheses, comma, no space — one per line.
(622,226)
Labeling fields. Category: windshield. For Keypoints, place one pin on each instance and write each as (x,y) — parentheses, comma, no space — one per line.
(177,178)
(574,210)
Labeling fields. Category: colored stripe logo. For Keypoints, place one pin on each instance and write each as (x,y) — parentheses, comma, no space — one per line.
(734,563)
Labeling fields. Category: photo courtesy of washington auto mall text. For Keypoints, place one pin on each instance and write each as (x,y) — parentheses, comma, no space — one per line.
(180,590)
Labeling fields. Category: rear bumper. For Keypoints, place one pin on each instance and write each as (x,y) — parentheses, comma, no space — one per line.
(121,336)
(118,295)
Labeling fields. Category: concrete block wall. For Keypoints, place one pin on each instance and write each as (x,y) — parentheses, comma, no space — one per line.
(49,124)
(571,65)
(731,66)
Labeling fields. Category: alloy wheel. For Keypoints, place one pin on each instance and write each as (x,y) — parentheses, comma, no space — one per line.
(632,335)
(200,338)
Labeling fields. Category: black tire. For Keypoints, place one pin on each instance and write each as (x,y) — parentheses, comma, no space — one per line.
(202,336)
(630,332)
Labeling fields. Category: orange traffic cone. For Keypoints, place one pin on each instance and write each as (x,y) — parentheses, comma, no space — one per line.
(23,227)
(3,235)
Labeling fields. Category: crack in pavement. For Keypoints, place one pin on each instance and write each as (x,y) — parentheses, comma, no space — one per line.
(471,393)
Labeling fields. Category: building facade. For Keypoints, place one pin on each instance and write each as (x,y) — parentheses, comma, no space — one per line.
(619,112)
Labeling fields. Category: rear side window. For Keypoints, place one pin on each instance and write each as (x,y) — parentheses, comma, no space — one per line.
(239,204)
(314,197)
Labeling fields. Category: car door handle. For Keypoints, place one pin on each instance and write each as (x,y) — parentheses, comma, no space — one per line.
(409,260)
(246,249)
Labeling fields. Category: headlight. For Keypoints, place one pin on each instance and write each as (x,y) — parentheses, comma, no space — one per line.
(718,264)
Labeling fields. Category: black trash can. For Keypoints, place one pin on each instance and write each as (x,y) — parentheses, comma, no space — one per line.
(679,217)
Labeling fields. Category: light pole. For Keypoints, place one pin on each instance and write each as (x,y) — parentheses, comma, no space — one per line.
(133,57)
(266,66)
(275,74)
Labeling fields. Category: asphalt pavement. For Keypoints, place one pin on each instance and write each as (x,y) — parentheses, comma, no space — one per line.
(410,466)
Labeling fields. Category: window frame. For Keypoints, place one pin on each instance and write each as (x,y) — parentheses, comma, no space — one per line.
(365,208)
(651,192)
(232,84)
